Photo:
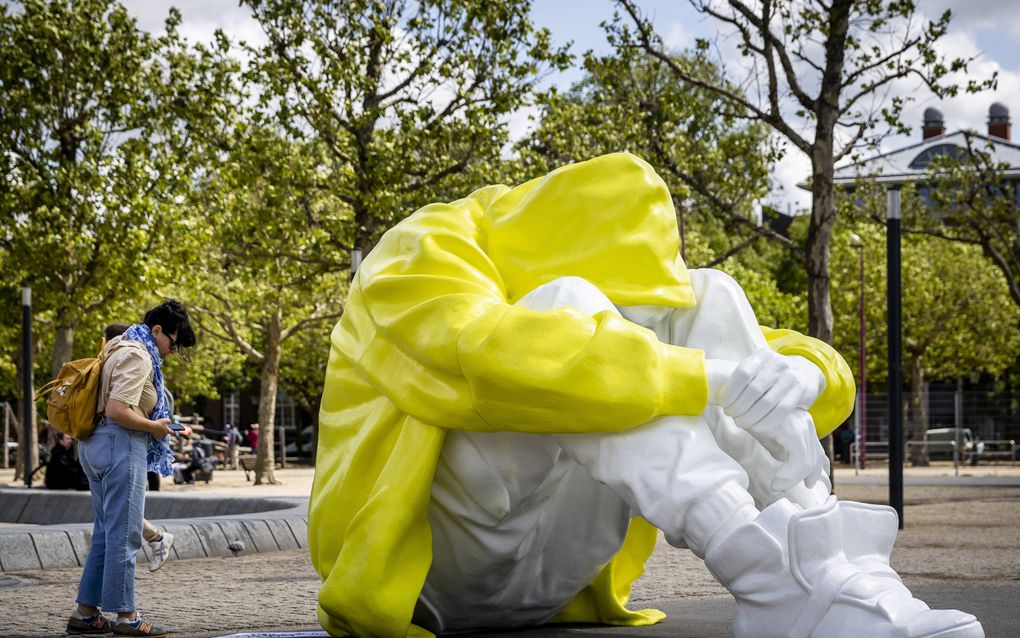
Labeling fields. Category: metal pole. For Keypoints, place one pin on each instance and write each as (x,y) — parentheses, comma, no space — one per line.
(7,434)
(28,405)
(355,261)
(895,322)
(854,456)
(957,425)
(864,370)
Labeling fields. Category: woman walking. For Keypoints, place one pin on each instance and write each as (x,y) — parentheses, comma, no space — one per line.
(132,436)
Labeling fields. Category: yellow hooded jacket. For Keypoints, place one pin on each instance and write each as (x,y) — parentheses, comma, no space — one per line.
(430,341)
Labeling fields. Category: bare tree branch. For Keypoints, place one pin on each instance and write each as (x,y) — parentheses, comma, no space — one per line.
(773,118)
(732,251)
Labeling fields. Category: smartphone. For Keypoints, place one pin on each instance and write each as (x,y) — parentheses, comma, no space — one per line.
(176,427)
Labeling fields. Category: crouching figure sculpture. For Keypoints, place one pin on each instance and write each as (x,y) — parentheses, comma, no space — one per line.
(527,384)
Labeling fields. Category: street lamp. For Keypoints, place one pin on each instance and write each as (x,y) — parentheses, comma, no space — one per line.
(27,401)
(862,431)
(894,297)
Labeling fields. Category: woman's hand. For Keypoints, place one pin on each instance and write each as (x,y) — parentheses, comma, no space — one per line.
(160,428)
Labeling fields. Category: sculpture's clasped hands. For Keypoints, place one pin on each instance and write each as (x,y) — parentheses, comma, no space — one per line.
(768,395)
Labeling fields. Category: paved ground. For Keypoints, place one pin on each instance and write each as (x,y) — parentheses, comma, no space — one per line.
(961,548)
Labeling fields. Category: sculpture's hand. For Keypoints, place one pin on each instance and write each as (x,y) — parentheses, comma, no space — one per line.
(768,395)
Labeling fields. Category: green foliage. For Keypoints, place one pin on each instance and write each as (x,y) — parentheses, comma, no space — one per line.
(303,364)
(812,74)
(264,248)
(135,167)
(974,203)
(715,164)
(94,128)
(403,96)
(957,314)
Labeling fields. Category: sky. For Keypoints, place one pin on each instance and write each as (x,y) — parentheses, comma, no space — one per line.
(987,29)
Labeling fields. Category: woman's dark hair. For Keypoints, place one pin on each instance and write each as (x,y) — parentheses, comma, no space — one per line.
(114,330)
(172,316)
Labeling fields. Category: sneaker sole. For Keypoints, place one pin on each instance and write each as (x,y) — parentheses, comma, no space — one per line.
(120,633)
(87,631)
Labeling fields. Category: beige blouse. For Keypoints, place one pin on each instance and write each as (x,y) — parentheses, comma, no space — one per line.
(127,376)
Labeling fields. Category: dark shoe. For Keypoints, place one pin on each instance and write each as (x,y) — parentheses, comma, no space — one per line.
(137,627)
(81,625)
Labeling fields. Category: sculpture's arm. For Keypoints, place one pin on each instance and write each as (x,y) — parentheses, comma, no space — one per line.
(454,352)
(836,402)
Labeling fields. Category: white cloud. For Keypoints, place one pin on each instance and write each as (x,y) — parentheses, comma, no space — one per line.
(979,27)
(199,19)
(994,15)
(521,122)
(786,196)
(678,37)
(964,111)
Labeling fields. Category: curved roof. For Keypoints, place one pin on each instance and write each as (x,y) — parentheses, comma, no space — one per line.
(908,164)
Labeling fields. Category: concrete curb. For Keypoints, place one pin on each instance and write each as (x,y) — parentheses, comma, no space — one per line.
(42,539)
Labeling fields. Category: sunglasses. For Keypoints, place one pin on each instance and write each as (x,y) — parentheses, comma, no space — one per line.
(173,342)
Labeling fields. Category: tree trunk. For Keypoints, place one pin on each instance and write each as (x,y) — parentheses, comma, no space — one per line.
(823,216)
(918,414)
(63,347)
(265,460)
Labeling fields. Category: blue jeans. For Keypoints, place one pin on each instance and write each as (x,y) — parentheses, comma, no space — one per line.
(114,462)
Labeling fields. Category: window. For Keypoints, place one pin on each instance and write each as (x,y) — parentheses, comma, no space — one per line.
(232,407)
(927,155)
(285,415)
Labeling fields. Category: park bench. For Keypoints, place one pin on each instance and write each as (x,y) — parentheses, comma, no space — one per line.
(996,451)
(247,462)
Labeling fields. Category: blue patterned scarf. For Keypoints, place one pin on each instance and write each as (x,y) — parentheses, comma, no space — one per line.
(159,456)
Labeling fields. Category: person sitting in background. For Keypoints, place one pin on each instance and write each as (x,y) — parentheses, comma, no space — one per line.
(63,472)
(199,461)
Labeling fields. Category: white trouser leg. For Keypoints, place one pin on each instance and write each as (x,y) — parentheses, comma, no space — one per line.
(519,527)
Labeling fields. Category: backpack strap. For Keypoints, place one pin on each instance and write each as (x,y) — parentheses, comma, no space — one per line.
(46,389)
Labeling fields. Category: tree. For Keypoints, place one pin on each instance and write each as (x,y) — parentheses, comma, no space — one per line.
(817,74)
(972,202)
(404,96)
(715,166)
(91,141)
(302,369)
(260,279)
(957,315)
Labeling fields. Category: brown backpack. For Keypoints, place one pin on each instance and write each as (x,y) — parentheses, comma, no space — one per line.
(73,396)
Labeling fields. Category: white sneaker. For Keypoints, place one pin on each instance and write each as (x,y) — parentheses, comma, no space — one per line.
(160,551)
(790,576)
